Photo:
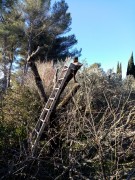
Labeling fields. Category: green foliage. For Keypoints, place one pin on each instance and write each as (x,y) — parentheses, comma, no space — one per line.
(91,133)
(96,128)
(46,26)
(19,105)
(61,46)
(11,136)
(131,66)
(118,68)
(10,36)
(20,109)
(28,24)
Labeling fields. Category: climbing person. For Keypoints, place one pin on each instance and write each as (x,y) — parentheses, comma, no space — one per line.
(75,66)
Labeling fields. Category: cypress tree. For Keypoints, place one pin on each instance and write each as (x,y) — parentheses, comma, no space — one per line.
(131,67)
(118,68)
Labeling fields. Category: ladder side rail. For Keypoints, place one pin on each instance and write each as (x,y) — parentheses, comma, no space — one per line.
(58,82)
(40,133)
(38,122)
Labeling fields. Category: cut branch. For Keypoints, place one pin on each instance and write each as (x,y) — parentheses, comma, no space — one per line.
(38,81)
(35,53)
(69,96)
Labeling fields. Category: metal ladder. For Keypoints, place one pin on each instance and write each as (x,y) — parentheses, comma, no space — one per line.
(43,120)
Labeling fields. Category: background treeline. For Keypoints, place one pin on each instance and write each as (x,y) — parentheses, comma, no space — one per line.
(92,137)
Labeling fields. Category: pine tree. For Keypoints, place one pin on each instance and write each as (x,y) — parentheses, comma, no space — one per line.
(35,30)
(118,68)
(131,67)
(44,29)
(9,41)
(60,48)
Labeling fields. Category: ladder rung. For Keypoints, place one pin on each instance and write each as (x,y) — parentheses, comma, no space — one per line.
(65,69)
(42,120)
(52,99)
(36,131)
(60,79)
(56,88)
(47,109)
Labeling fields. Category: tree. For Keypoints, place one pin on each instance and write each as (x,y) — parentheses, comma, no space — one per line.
(131,67)
(118,68)
(10,31)
(44,29)
(35,31)
(61,49)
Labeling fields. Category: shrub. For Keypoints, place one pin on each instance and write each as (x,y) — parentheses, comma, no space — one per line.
(92,137)
(19,112)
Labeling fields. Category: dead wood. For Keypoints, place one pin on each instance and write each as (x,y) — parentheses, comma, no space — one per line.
(69,96)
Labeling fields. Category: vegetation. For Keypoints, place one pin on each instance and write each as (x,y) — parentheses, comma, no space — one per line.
(92,139)
(131,66)
(91,136)
(119,68)
(34,31)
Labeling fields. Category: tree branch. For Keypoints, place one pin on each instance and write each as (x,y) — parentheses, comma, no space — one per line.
(34,54)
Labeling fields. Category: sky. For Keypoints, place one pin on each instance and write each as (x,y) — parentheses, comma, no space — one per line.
(105,30)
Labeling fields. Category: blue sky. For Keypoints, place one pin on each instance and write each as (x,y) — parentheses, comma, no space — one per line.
(105,30)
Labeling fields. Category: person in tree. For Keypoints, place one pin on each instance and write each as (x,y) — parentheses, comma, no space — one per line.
(75,66)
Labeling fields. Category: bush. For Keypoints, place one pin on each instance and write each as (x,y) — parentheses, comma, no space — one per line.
(92,137)
(19,112)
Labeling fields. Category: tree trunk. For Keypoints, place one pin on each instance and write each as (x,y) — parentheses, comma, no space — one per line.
(69,96)
(31,62)
(9,74)
(4,61)
(11,58)
(38,81)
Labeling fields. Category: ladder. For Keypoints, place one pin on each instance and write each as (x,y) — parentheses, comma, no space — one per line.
(43,120)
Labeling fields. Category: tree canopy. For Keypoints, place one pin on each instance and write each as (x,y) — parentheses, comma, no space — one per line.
(31,31)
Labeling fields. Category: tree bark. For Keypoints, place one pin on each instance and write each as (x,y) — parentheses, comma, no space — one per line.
(38,81)
(11,58)
(69,96)
(4,61)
